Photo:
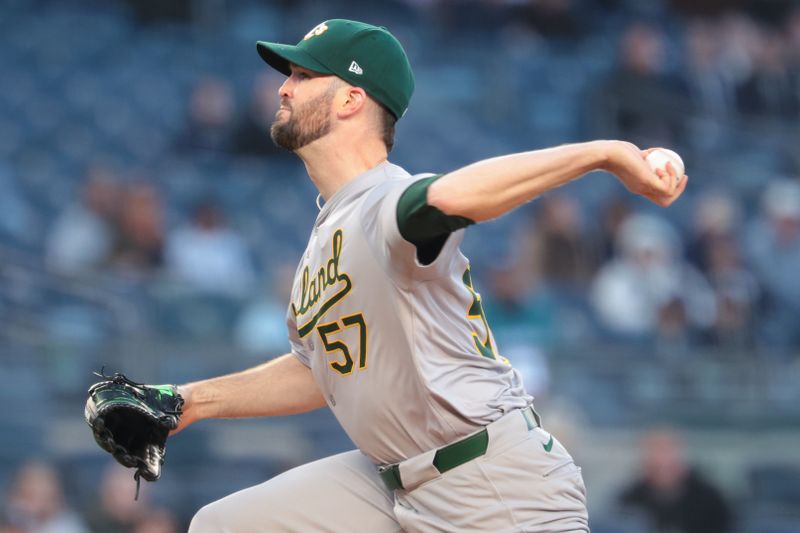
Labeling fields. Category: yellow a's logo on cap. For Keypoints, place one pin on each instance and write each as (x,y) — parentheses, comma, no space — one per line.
(318,30)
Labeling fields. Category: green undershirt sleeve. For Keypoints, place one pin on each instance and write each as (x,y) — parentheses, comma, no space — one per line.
(424,225)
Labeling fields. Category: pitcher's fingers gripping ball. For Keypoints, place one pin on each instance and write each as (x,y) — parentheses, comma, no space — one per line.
(131,421)
(660,157)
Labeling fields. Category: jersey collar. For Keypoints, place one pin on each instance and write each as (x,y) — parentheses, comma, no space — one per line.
(354,188)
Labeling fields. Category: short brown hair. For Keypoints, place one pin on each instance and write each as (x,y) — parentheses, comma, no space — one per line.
(386,123)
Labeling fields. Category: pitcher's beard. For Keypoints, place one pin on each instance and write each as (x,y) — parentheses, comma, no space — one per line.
(304,125)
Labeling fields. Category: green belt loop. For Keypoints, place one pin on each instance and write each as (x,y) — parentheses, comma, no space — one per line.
(460,452)
(391,477)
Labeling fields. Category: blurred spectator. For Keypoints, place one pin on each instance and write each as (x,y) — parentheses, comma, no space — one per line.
(541,297)
(670,494)
(210,119)
(793,40)
(715,249)
(640,101)
(157,521)
(711,90)
(773,252)
(115,510)
(252,133)
(35,503)
(82,237)
(138,248)
(716,218)
(737,294)
(740,38)
(612,215)
(210,256)
(556,248)
(649,285)
(771,89)
(519,310)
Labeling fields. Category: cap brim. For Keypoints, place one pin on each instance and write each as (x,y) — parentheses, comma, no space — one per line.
(278,56)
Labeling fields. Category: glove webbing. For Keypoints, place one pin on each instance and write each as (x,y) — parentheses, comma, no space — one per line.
(119,379)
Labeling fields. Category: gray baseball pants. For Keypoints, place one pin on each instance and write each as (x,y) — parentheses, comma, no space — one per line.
(517,486)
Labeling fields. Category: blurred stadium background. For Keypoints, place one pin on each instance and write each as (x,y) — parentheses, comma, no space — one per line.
(148,225)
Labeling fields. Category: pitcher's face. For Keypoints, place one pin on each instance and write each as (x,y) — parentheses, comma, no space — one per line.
(305,112)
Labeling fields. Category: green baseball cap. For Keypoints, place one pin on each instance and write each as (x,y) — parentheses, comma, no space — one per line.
(363,55)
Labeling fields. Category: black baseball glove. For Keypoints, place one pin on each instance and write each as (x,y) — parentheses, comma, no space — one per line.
(131,421)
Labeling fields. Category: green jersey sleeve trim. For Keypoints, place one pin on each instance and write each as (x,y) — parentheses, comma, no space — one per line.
(420,222)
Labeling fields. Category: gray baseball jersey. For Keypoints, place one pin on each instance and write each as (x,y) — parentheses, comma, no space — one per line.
(401,351)
(407,362)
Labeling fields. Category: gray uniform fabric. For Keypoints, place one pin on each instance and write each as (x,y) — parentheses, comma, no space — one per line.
(516,486)
(424,382)
(405,358)
(526,481)
(342,493)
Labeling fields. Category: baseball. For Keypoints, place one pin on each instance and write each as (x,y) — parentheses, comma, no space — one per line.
(658,159)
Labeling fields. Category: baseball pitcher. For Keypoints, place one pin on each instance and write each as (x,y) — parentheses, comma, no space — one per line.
(386,327)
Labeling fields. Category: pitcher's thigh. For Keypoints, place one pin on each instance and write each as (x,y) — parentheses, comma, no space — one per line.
(540,484)
(339,493)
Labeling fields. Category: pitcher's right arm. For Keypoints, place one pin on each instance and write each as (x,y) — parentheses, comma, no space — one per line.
(492,187)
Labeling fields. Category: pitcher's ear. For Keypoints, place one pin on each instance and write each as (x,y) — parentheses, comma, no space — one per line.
(351,101)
